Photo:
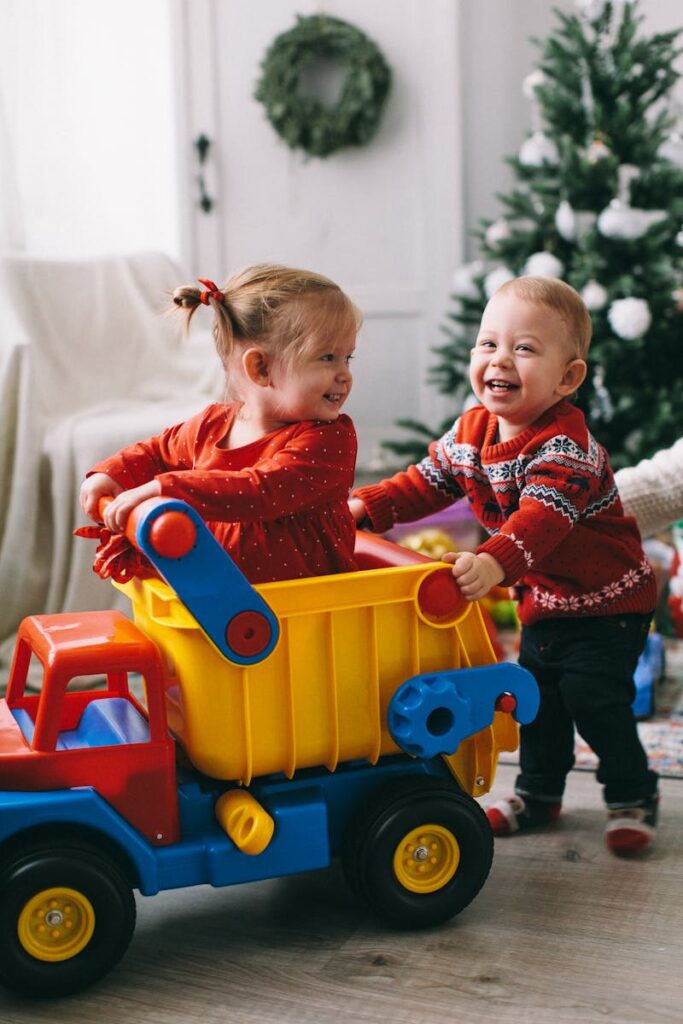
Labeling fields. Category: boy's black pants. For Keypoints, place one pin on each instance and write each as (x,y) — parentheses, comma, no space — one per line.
(584,668)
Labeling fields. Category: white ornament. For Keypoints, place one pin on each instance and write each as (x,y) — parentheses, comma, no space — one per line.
(497,232)
(565,221)
(679,239)
(543,264)
(627,222)
(496,279)
(464,279)
(571,223)
(532,81)
(594,295)
(591,9)
(620,219)
(629,318)
(537,150)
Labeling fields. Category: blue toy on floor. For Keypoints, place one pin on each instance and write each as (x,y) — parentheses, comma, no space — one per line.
(649,671)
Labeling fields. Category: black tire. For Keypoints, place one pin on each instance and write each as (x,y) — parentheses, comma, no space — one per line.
(453,827)
(93,912)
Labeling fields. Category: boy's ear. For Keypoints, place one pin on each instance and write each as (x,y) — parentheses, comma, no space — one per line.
(573,377)
(255,365)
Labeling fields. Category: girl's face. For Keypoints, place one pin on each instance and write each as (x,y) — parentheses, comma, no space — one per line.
(521,363)
(315,386)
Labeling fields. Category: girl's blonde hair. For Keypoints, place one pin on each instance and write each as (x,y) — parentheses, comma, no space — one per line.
(565,300)
(286,310)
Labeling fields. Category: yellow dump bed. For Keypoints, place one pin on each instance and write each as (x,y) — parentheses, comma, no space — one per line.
(346,644)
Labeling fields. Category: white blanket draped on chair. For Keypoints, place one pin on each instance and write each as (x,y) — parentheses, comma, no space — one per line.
(87,364)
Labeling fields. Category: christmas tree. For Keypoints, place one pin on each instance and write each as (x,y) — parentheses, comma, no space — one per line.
(598,202)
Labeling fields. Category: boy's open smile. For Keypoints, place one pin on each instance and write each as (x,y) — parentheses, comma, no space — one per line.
(496,384)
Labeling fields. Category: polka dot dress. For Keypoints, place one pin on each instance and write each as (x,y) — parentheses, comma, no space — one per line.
(277,505)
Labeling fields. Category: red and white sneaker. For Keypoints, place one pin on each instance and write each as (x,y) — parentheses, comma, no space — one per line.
(631,830)
(514,813)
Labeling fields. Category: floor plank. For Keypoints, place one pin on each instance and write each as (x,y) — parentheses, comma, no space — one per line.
(561,932)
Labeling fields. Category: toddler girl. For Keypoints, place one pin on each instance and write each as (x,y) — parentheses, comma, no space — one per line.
(270,468)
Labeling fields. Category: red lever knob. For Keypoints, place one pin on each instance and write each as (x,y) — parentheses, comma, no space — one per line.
(172,534)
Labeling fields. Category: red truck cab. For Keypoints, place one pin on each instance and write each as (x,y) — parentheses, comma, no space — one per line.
(57,739)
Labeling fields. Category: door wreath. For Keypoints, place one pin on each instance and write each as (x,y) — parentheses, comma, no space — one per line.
(304,122)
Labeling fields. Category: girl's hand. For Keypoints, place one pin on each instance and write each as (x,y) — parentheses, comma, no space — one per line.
(116,514)
(358,510)
(97,486)
(475,574)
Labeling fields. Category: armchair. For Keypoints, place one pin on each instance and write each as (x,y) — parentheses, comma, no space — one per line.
(87,364)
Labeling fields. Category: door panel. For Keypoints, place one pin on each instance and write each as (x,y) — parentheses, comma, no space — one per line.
(383,220)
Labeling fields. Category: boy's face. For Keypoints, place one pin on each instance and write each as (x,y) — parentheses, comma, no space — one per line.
(522,362)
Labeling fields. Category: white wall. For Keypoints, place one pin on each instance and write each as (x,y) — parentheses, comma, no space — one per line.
(87,153)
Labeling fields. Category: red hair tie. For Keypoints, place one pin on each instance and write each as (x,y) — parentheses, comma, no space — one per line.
(213,292)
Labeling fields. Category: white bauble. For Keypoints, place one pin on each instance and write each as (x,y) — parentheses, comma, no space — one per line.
(629,318)
(543,264)
(532,81)
(463,281)
(565,221)
(537,150)
(496,279)
(497,232)
(594,295)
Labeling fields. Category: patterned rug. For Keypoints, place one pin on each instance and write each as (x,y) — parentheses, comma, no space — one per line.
(661,734)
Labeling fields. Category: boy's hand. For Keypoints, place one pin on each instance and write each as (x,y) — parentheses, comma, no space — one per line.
(475,574)
(97,486)
(358,509)
(116,514)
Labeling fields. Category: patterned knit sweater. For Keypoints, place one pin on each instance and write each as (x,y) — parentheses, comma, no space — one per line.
(547,499)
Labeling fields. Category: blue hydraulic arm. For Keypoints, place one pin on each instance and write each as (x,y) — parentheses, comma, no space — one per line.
(188,557)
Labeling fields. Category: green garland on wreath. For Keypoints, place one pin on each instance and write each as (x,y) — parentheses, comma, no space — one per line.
(304,122)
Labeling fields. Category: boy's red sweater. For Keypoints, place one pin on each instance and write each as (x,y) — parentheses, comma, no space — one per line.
(549,502)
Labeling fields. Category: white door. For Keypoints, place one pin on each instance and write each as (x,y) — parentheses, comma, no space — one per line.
(383,220)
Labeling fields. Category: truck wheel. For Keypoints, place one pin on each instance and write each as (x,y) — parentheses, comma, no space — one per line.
(67,915)
(420,853)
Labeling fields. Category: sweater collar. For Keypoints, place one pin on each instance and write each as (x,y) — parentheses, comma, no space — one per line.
(502,449)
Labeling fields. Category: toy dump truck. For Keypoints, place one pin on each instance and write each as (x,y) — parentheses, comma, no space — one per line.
(242,733)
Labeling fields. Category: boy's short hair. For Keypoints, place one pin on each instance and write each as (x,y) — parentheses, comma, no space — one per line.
(565,300)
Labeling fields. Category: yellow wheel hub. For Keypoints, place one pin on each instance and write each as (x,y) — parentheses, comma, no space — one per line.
(56,924)
(426,858)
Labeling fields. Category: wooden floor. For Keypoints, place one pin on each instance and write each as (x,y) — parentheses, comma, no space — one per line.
(561,932)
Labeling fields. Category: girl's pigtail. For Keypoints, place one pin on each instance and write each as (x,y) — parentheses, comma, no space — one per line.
(188,298)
